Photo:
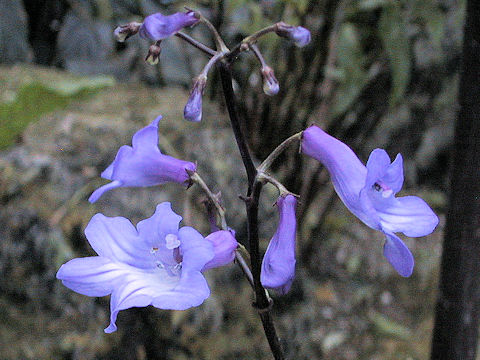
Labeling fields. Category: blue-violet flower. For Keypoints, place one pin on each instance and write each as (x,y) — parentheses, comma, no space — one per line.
(369,193)
(142,164)
(158,26)
(224,246)
(155,263)
(193,108)
(278,266)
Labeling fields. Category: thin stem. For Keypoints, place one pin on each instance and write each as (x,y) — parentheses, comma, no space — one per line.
(281,188)
(197,44)
(210,63)
(220,210)
(244,266)
(278,150)
(245,43)
(216,36)
(258,54)
(226,78)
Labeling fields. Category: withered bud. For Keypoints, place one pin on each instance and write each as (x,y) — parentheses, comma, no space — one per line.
(153,53)
(270,83)
(123,32)
(298,34)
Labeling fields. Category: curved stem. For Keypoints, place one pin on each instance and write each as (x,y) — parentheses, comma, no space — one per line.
(278,150)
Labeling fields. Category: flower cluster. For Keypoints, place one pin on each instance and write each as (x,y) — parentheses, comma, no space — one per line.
(161,264)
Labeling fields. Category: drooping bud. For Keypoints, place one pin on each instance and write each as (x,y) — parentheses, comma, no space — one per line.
(298,34)
(153,53)
(193,108)
(123,32)
(270,83)
(159,27)
(278,266)
(224,245)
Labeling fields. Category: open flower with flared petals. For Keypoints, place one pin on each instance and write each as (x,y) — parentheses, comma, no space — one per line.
(278,266)
(158,26)
(142,164)
(157,263)
(369,193)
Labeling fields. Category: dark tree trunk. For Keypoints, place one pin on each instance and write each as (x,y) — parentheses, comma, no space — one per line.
(457,313)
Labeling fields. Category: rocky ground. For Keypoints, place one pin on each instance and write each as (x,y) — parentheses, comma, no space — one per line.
(346,302)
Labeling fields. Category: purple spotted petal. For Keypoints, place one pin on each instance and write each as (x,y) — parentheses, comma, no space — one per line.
(158,26)
(224,245)
(143,164)
(398,255)
(157,265)
(278,266)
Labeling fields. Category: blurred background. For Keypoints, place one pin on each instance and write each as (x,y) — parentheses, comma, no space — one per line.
(378,73)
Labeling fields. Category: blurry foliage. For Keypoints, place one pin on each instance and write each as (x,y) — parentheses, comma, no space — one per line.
(34,99)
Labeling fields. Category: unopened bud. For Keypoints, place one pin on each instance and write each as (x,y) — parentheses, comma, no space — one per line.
(298,34)
(193,108)
(153,53)
(270,83)
(123,32)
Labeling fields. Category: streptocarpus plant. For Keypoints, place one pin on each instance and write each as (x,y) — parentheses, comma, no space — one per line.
(157,263)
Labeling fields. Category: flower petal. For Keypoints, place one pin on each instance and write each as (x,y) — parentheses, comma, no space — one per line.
(393,177)
(195,250)
(103,189)
(398,255)
(409,214)
(163,222)
(377,164)
(91,276)
(117,239)
(278,265)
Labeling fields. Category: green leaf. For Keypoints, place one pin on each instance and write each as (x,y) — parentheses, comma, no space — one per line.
(393,33)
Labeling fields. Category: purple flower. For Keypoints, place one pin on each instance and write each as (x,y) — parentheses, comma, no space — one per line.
(278,266)
(155,263)
(142,164)
(224,246)
(298,34)
(158,26)
(193,108)
(369,193)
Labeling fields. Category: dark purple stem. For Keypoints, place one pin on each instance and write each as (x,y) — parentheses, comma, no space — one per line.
(262,303)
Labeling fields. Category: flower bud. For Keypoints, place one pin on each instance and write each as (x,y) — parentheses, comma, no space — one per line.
(270,83)
(123,32)
(224,245)
(159,26)
(298,34)
(193,108)
(153,53)
(278,265)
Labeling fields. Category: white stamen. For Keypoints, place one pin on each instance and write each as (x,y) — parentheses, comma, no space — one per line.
(387,193)
(172,241)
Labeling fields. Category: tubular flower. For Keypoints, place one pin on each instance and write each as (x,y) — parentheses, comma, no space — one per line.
(158,26)
(278,266)
(224,246)
(142,164)
(369,193)
(155,263)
